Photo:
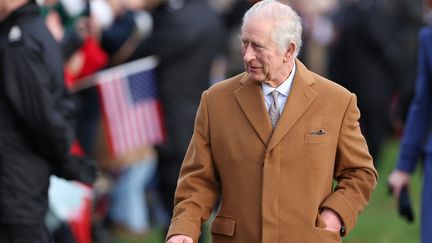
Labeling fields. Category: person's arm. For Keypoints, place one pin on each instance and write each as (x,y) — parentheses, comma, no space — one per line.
(419,118)
(198,186)
(44,111)
(354,172)
(36,102)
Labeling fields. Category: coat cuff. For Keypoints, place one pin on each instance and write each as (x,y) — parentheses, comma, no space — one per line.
(183,227)
(343,208)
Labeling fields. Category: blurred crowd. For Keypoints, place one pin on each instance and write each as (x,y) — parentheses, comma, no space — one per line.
(368,46)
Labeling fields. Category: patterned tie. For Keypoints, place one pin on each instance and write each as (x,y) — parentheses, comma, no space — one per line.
(274,111)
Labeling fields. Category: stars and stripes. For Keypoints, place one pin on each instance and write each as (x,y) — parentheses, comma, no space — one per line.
(131,108)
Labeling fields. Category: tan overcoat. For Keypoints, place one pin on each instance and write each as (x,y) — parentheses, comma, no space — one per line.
(272,185)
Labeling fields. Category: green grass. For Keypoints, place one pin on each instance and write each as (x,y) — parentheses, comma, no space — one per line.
(154,237)
(379,223)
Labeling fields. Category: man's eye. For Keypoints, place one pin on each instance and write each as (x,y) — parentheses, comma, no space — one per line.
(258,46)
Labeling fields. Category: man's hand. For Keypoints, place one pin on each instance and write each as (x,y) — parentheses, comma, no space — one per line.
(331,219)
(180,239)
(397,180)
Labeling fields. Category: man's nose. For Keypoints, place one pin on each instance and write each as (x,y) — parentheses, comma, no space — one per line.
(248,53)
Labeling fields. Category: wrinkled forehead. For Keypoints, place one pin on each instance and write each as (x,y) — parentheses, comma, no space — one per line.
(257,25)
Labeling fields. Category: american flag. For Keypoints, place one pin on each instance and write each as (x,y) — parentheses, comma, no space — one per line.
(130,106)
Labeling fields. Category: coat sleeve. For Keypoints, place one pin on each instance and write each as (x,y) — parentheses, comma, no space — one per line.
(197,187)
(354,173)
(420,116)
(41,103)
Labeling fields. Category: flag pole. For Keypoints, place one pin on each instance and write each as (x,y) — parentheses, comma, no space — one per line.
(127,68)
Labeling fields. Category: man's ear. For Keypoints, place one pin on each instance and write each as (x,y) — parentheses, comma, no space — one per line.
(289,52)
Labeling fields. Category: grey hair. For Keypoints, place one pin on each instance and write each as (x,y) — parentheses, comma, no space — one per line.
(287,23)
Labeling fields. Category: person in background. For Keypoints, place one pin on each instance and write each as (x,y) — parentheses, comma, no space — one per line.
(416,142)
(269,144)
(128,214)
(187,36)
(366,57)
(36,124)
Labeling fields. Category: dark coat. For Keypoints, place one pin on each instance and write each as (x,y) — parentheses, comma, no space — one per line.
(371,57)
(417,137)
(186,39)
(35,124)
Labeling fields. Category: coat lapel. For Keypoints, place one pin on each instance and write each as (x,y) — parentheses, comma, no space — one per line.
(249,96)
(300,98)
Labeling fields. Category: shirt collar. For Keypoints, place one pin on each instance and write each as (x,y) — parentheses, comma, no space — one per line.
(284,88)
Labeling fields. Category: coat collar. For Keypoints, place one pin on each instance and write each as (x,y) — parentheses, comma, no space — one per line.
(250,98)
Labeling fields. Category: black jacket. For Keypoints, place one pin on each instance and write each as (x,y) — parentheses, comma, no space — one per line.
(36,127)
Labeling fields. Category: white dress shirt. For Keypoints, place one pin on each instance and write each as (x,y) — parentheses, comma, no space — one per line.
(283,90)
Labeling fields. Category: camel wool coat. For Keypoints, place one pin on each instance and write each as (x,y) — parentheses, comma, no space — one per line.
(271,185)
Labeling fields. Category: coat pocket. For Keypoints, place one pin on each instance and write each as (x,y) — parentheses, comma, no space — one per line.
(310,138)
(321,235)
(223,225)
(324,236)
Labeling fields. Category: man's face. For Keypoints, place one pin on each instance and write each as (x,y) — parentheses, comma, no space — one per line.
(263,60)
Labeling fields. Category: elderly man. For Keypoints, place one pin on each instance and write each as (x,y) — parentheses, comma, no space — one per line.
(269,144)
